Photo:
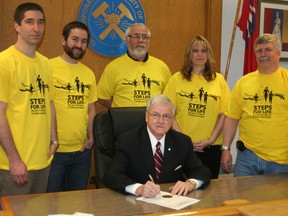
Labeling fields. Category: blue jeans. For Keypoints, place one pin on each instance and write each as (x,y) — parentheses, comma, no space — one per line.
(248,163)
(69,171)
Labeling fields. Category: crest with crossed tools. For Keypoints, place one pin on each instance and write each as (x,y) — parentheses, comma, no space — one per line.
(108,21)
(113,19)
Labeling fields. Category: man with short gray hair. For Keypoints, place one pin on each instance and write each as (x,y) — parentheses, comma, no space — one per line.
(259,103)
(154,154)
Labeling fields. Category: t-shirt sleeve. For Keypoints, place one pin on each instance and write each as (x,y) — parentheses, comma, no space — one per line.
(4,84)
(233,108)
(105,87)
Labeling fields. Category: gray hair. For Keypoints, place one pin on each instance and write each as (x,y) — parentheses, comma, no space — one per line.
(160,99)
(127,32)
(269,38)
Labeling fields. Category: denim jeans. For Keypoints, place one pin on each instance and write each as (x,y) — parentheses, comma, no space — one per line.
(248,163)
(69,171)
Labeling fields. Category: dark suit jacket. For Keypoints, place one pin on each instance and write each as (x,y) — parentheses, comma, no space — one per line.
(133,160)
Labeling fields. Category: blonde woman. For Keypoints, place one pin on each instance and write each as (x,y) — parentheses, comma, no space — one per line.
(200,95)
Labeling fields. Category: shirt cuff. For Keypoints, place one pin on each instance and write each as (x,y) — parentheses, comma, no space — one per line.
(132,188)
(199,183)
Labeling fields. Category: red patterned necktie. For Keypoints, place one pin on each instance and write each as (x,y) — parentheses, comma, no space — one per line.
(158,159)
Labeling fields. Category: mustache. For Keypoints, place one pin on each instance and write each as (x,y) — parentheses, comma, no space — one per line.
(140,46)
(77,48)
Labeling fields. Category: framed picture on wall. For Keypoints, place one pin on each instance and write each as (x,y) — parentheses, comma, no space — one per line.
(273,19)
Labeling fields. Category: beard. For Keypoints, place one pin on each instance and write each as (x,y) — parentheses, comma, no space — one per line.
(69,52)
(138,52)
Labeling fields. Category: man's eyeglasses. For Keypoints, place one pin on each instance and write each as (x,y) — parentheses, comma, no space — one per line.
(265,50)
(138,36)
(156,116)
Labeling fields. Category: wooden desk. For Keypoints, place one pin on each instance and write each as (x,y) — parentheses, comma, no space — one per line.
(266,208)
(106,202)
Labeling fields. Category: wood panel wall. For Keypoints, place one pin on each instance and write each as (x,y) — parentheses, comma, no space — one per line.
(172,22)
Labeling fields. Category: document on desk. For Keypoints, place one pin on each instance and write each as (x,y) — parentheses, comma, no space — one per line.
(165,199)
(75,214)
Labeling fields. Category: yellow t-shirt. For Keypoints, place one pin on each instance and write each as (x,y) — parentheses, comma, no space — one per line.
(260,102)
(74,88)
(25,85)
(131,83)
(198,104)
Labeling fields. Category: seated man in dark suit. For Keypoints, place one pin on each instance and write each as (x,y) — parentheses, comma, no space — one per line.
(138,162)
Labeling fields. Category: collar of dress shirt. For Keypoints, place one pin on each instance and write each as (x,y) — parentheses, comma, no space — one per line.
(154,141)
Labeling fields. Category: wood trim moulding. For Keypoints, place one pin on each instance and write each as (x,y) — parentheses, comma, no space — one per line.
(214,28)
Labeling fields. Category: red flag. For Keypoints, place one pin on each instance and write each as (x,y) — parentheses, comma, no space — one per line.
(248,23)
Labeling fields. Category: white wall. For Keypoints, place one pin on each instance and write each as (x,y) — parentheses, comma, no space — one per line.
(237,57)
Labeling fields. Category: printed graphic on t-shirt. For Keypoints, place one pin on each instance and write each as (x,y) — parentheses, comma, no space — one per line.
(199,100)
(76,93)
(37,91)
(263,102)
(142,87)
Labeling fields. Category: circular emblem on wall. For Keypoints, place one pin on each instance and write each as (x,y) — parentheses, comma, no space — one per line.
(108,21)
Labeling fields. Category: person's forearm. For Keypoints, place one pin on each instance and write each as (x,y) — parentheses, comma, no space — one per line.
(229,130)
(105,103)
(53,132)
(217,129)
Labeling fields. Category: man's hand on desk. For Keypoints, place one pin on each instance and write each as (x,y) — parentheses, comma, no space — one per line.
(148,190)
(182,188)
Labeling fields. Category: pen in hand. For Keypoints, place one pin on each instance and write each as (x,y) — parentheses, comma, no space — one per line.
(151,179)
(164,196)
(157,186)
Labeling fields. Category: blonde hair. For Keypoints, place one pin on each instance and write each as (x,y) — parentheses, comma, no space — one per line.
(268,38)
(209,70)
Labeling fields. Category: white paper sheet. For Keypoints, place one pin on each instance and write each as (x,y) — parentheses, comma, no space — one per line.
(75,214)
(175,202)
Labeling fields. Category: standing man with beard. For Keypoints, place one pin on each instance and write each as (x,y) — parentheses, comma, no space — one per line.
(130,80)
(75,96)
